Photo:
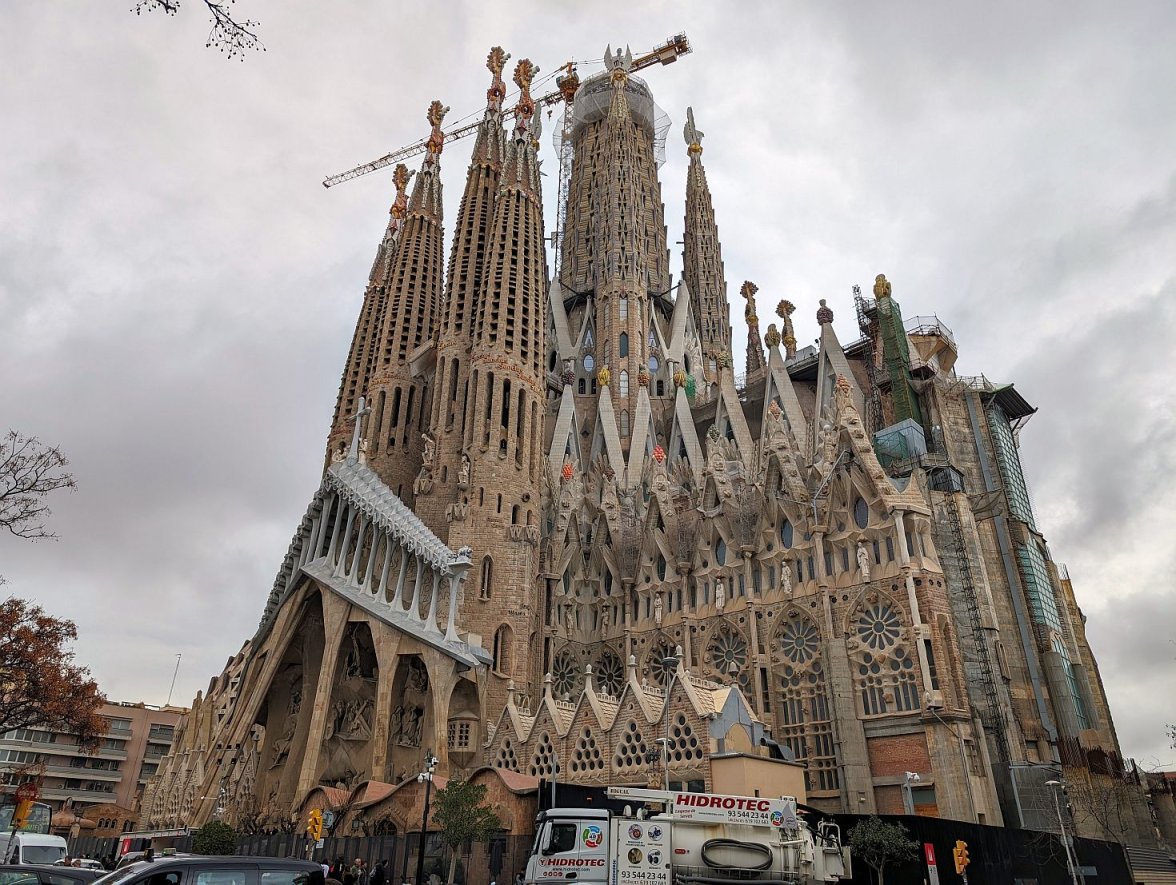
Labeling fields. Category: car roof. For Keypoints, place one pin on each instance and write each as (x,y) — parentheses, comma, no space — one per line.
(80,873)
(292,862)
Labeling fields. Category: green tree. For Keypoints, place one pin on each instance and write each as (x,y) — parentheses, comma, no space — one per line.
(459,812)
(215,837)
(877,843)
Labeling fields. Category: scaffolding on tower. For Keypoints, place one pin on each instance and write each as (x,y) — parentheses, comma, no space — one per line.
(562,141)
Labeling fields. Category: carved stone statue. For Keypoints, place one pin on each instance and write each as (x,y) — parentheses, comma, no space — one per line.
(720,595)
(657,609)
(463,473)
(863,559)
(881,286)
(430,449)
(786,577)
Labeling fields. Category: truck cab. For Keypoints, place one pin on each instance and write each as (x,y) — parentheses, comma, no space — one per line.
(571,845)
(34,848)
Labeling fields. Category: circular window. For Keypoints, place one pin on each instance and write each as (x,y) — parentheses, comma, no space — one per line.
(786,534)
(878,627)
(589,362)
(861,513)
(799,641)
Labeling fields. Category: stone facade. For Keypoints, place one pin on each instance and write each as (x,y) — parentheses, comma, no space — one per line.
(841,543)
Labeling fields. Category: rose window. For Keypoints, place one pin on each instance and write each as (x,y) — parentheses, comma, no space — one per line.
(610,674)
(564,674)
(878,626)
(726,648)
(799,641)
(660,671)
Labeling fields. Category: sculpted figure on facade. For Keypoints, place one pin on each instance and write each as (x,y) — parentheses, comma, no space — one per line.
(863,560)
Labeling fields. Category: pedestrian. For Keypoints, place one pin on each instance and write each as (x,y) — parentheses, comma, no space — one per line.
(360,870)
(349,878)
(326,869)
(379,874)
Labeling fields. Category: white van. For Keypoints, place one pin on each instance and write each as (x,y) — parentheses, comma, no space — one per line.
(32,848)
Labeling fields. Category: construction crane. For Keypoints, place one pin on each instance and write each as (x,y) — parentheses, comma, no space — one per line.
(667,53)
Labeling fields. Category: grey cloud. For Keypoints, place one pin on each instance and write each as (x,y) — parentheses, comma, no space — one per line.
(177,290)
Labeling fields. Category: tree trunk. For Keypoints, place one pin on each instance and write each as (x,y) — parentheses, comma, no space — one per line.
(453,866)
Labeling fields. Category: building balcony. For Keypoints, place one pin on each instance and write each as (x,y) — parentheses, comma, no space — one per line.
(94,774)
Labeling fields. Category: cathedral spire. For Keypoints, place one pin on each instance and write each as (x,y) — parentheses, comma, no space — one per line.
(755,353)
(414,295)
(362,356)
(702,265)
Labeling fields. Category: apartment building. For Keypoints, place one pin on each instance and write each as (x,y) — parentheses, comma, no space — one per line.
(137,737)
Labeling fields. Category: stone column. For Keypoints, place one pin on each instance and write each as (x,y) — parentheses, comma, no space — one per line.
(334,620)
(387,648)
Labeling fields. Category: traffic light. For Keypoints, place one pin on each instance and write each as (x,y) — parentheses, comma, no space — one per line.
(20,815)
(314,827)
(960,853)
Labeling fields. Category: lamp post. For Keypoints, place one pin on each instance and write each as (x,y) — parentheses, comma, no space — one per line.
(1070,866)
(671,663)
(426,777)
(908,798)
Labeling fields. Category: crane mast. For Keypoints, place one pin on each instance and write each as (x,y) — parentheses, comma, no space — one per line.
(667,53)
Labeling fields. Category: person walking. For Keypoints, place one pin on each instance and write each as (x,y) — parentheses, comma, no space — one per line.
(379,874)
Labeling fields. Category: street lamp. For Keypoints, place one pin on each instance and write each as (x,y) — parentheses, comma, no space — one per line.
(908,798)
(425,777)
(670,662)
(1053,785)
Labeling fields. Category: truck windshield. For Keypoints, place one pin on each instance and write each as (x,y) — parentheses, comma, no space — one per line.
(48,854)
(563,838)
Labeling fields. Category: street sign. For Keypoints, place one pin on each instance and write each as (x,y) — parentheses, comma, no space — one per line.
(932,868)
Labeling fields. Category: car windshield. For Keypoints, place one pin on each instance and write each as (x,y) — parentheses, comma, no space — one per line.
(41,853)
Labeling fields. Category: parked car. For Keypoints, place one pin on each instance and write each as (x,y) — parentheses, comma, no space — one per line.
(199,870)
(35,874)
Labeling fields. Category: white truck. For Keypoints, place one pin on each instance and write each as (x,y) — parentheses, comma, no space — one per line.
(38,848)
(698,839)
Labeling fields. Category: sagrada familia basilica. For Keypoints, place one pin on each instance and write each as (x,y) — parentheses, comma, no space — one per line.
(558,530)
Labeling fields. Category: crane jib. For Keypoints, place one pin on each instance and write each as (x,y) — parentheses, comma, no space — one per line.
(668,52)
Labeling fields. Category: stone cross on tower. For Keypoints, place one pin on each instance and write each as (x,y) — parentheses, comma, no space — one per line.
(357,433)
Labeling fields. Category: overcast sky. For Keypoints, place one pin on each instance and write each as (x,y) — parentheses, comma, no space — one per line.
(178,291)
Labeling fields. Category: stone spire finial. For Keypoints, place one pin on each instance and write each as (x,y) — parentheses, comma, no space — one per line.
(755,356)
(400,177)
(881,287)
(824,314)
(772,336)
(524,73)
(436,142)
(495,62)
(692,134)
(784,311)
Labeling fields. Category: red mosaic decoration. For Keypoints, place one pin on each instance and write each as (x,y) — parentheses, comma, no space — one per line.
(659,454)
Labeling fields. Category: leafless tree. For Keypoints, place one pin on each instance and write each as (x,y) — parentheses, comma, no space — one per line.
(1106,803)
(230,35)
(29,472)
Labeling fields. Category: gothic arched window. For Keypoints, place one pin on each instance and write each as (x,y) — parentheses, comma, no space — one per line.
(886,672)
(487,577)
(624,381)
(501,650)
(623,348)
(803,717)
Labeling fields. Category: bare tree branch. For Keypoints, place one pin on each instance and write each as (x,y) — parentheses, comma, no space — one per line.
(232,36)
(29,472)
